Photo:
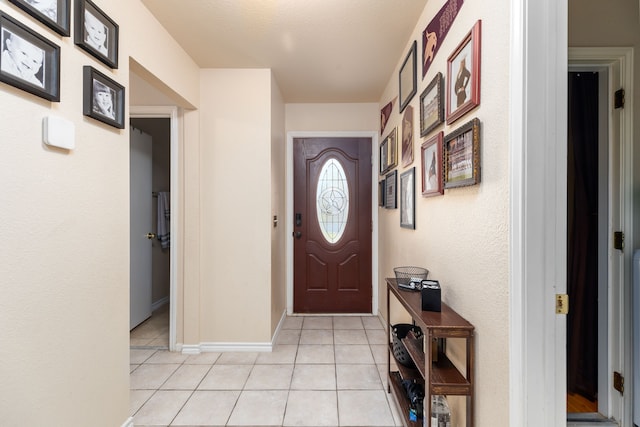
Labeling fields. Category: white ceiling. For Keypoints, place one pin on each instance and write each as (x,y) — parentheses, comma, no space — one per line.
(319,50)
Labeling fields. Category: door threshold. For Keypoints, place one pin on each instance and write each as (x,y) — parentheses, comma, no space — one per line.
(590,419)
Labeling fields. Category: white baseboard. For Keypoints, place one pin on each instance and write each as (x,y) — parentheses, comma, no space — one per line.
(190,349)
(278,328)
(221,347)
(157,304)
(128,423)
(236,346)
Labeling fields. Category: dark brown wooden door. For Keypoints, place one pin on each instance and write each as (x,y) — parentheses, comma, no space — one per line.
(332,225)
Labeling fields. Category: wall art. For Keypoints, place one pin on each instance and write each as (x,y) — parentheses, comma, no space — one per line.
(407,199)
(96,33)
(103,98)
(431,162)
(407,78)
(55,14)
(389,152)
(431,106)
(463,76)
(390,182)
(462,156)
(29,61)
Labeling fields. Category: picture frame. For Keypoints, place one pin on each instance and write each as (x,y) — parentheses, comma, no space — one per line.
(390,184)
(463,75)
(408,84)
(432,106)
(462,156)
(431,164)
(407,199)
(96,33)
(39,74)
(381,193)
(389,152)
(103,98)
(407,136)
(55,14)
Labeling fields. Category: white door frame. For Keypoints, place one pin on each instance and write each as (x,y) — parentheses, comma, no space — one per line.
(538,169)
(619,62)
(289,207)
(170,112)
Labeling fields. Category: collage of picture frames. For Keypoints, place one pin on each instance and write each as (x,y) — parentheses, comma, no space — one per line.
(31,62)
(446,161)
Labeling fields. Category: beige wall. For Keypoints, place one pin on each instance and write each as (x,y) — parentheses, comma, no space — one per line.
(332,117)
(462,237)
(236,213)
(64,358)
(278,210)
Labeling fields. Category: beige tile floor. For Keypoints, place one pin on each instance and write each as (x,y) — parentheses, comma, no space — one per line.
(153,332)
(323,371)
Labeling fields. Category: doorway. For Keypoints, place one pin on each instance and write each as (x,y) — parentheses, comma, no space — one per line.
(332,225)
(607,268)
(150,239)
(587,249)
(161,124)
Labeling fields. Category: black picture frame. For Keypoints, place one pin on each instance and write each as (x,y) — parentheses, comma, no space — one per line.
(432,105)
(462,155)
(89,21)
(98,89)
(381,193)
(59,20)
(390,184)
(408,84)
(42,78)
(408,199)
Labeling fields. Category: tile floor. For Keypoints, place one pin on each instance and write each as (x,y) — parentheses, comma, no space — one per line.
(153,332)
(323,371)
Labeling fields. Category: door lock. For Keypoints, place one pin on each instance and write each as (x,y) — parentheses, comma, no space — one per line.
(151,236)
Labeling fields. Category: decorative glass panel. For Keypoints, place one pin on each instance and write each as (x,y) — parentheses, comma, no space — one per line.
(332,200)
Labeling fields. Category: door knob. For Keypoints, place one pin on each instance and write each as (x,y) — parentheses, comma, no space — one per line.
(151,236)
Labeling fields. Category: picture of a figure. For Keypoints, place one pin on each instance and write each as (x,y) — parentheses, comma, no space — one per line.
(432,177)
(22,59)
(103,99)
(49,8)
(95,33)
(462,81)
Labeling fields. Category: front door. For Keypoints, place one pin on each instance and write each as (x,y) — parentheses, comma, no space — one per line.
(332,225)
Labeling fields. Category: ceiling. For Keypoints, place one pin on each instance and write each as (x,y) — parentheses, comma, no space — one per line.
(319,50)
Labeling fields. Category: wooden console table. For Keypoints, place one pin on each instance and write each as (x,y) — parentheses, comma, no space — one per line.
(441,376)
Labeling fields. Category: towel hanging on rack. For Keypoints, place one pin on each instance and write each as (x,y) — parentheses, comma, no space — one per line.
(164,215)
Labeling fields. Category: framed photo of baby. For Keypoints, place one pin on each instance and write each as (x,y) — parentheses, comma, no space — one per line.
(103,98)
(28,61)
(463,76)
(53,13)
(96,33)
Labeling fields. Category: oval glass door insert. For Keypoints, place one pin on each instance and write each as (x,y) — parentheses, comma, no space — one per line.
(332,203)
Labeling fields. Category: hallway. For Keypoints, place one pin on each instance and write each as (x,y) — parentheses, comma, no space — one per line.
(323,371)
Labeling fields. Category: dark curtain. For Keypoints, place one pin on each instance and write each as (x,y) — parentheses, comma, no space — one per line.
(582,239)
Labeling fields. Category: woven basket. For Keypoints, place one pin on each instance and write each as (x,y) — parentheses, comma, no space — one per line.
(406,275)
